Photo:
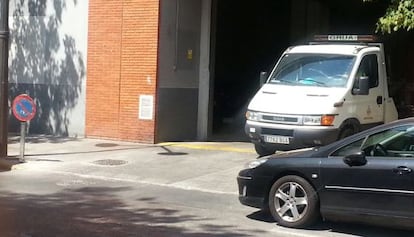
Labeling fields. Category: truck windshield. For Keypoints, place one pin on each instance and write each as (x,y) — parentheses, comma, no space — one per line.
(325,70)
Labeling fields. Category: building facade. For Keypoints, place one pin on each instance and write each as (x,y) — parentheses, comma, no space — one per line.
(122,69)
(159,70)
(48,60)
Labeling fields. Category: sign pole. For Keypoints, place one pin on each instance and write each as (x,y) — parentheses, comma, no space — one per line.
(22,140)
(24,109)
(4,52)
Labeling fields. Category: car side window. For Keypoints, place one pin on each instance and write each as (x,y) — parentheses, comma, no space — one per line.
(394,142)
(349,149)
(368,68)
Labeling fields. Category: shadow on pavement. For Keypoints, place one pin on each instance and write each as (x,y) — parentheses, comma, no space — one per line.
(99,212)
(262,216)
(169,152)
(6,164)
(336,227)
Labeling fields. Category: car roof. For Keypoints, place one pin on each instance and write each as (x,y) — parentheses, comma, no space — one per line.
(400,121)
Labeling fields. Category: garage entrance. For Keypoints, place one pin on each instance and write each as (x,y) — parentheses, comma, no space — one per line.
(211,53)
(248,37)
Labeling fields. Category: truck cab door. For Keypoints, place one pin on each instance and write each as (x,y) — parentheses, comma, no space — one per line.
(370,108)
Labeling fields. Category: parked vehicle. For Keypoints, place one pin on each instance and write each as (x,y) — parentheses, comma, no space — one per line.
(367,177)
(319,93)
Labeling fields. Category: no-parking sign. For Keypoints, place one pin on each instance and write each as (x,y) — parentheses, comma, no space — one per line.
(24,108)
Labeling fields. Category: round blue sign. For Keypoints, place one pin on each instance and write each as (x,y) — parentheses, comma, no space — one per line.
(24,108)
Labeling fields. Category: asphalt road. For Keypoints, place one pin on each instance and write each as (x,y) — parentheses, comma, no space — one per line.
(78,190)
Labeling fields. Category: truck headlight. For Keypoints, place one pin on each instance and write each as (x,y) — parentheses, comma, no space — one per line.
(319,120)
(250,115)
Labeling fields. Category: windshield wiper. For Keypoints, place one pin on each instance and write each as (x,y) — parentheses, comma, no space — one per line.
(313,82)
(281,80)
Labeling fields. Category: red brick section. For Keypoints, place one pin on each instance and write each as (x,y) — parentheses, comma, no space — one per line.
(122,65)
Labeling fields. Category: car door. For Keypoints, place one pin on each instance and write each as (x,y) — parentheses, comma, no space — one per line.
(370,108)
(382,185)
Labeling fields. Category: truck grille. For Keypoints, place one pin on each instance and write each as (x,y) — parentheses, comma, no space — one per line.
(282,119)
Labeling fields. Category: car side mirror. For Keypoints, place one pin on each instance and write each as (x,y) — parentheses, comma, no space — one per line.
(357,159)
(363,86)
(263,78)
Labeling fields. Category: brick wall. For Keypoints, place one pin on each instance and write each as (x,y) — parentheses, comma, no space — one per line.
(122,65)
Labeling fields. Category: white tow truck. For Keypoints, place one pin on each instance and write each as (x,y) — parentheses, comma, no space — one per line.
(319,93)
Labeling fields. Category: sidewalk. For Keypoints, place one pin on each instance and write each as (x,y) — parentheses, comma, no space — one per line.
(195,165)
(203,166)
(39,145)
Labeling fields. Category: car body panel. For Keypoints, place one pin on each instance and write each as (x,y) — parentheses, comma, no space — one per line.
(373,188)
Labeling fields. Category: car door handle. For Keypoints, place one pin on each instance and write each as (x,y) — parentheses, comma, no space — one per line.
(402,170)
(379,100)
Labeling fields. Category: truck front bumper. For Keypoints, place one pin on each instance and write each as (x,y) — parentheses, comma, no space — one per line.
(295,136)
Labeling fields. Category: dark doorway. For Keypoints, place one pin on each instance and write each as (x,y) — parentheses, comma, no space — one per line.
(249,37)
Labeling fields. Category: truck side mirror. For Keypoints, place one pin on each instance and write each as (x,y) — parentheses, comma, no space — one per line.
(363,86)
(263,78)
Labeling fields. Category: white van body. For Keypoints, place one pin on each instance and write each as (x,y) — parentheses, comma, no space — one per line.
(311,97)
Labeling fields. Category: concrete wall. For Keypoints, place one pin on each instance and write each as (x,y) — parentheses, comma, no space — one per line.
(48,50)
(178,71)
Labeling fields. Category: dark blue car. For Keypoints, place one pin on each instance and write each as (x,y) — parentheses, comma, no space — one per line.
(367,177)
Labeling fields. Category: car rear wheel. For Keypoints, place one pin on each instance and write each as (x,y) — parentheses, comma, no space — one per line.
(262,150)
(293,202)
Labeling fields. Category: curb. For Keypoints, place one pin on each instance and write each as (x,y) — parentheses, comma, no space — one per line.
(209,146)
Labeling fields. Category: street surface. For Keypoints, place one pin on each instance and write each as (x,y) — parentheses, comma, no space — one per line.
(88,188)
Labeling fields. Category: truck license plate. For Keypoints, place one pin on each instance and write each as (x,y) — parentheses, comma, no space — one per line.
(276,139)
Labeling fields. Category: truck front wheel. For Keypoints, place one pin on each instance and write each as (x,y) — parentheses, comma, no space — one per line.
(262,150)
(346,132)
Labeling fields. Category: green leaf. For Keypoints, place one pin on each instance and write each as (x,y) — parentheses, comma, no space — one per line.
(399,15)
